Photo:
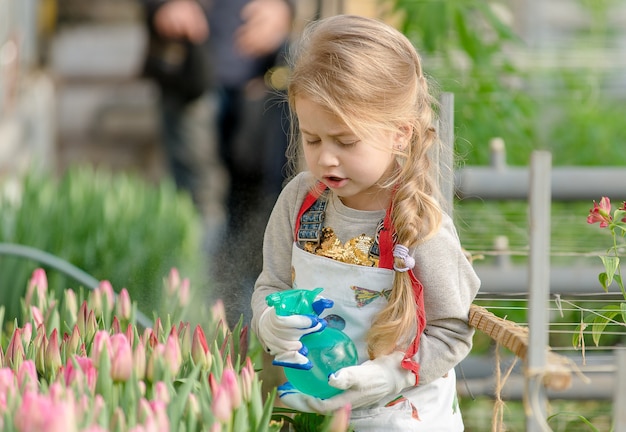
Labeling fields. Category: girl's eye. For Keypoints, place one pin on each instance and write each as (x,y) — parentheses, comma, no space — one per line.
(348,143)
(312,141)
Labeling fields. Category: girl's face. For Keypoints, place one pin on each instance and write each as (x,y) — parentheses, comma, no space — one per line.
(351,167)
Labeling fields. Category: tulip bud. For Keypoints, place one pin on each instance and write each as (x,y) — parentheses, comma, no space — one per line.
(40,343)
(221,405)
(27,333)
(200,349)
(27,376)
(15,351)
(108,295)
(70,305)
(172,355)
(123,306)
(139,360)
(247,376)
(173,282)
(37,290)
(161,392)
(118,420)
(115,325)
(91,327)
(101,341)
(184,336)
(230,384)
(81,319)
(184,293)
(121,358)
(130,334)
(52,360)
(73,343)
(36,316)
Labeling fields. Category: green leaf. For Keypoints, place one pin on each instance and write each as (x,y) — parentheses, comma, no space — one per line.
(611,263)
(622,307)
(600,322)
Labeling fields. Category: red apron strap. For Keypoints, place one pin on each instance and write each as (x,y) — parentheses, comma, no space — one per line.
(309,200)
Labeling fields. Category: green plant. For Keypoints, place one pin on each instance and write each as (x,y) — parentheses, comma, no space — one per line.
(113,226)
(79,362)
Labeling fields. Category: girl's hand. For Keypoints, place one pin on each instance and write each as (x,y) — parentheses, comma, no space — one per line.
(364,385)
(280,335)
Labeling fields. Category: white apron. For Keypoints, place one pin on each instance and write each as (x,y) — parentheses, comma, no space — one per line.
(359,293)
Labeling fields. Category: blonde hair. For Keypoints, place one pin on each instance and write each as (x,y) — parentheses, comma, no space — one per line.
(370,76)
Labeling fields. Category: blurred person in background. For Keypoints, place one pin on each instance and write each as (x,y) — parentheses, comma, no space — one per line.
(223,128)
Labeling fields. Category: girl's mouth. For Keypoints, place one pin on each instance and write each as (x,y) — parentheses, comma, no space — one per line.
(335,182)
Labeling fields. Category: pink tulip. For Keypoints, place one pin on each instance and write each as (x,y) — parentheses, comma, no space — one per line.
(184,336)
(101,342)
(200,349)
(52,359)
(80,373)
(247,378)
(115,325)
(231,386)
(130,334)
(139,360)
(92,326)
(601,213)
(27,333)
(15,351)
(161,392)
(40,343)
(81,319)
(45,413)
(71,304)
(72,343)
(36,316)
(27,376)
(221,405)
(184,292)
(121,358)
(173,281)
(37,286)
(123,306)
(218,312)
(108,295)
(193,406)
(8,385)
(172,355)
(118,420)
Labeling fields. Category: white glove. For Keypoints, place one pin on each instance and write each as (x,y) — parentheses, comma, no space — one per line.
(364,384)
(280,335)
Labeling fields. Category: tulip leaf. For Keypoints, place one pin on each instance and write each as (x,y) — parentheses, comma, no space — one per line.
(176,407)
(622,307)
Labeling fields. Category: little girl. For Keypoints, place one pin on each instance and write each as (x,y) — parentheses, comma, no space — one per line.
(364,222)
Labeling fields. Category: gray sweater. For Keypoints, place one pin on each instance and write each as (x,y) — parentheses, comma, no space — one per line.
(450,283)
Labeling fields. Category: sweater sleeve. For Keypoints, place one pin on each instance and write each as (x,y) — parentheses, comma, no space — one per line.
(277,245)
(450,285)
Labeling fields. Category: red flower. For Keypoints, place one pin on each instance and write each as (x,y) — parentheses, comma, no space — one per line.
(601,213)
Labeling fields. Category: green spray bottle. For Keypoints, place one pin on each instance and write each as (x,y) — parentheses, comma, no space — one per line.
(328,350)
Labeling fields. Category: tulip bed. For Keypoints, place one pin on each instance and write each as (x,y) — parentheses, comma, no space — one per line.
(81,363)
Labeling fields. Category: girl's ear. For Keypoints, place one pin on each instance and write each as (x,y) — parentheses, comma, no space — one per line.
(402,137)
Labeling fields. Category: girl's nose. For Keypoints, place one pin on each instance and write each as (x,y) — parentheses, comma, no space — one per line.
(327,157)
